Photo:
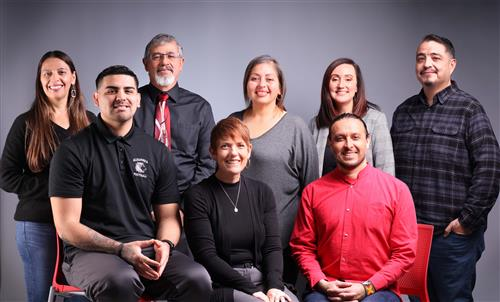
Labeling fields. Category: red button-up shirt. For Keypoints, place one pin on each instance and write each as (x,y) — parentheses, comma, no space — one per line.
(355,229)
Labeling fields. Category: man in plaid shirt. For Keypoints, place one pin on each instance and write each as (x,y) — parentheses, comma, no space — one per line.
(447,153)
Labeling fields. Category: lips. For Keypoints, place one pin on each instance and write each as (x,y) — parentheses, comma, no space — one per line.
(55,87)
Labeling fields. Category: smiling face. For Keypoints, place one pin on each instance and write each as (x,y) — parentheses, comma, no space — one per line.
(349,142)
(117,99)
(164,65)
(434,65)
(343,86)
(263,85)
(56,79)
(231,155)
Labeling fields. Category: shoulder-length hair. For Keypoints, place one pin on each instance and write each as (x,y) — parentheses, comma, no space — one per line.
(41,140)
(327,111)
(280,100)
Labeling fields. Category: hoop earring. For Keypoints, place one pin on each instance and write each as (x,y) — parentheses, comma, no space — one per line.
(73,92)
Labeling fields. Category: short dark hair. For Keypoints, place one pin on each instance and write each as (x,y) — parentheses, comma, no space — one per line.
(116,69)
(344,116)
(280,100)
(441,40)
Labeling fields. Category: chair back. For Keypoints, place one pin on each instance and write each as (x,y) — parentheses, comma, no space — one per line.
(414,281)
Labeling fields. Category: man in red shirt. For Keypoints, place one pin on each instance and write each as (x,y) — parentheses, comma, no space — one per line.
(356,230)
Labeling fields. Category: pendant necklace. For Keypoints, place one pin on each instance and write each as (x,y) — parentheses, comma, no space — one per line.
(235,204)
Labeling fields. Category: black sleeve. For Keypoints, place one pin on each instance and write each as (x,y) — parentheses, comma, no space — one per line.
(15,176)
(198,227)
(166,184)
(271,251)
(67,171)
(205,165)
(91,117)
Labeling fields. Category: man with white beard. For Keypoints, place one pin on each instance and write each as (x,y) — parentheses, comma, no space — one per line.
(180,119)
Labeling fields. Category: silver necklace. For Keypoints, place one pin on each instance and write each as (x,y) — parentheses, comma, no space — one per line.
(235,204)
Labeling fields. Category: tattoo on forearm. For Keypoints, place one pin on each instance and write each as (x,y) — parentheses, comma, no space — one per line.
(98,242)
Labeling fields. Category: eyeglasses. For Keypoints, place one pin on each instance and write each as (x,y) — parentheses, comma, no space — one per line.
(157,56)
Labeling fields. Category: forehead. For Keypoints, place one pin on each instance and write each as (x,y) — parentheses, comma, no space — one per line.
(266,68)
(165,47)
(54,63)
(344,69)
(347,126)
(118,80)
(429,47)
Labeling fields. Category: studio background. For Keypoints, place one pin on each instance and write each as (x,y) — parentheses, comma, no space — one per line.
(221,37)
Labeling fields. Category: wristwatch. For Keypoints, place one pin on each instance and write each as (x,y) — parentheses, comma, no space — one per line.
(369,288)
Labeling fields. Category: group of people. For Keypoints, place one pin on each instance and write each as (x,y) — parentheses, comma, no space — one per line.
(122,188)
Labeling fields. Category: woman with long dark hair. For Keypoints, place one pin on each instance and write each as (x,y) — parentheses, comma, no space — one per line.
(283,150)
(343,90)
(57,112)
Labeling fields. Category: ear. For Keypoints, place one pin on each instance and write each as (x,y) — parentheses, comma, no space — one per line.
(145,63)
(250,150)
(138,100)
(73,81)
(368,141)
(212,152)
(453,64)
(95,97)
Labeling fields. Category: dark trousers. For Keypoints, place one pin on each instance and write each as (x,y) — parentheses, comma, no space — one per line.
(452,266)
(107,277)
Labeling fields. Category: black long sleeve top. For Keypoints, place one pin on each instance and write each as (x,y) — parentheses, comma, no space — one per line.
(208,238)
(16,177)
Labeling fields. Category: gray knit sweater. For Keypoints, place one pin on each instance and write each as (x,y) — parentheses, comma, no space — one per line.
(284,158)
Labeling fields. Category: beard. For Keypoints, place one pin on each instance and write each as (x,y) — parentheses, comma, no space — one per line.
(164,80)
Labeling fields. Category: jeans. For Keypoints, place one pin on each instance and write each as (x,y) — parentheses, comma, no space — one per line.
(452,266)
(379,296)
(36,243)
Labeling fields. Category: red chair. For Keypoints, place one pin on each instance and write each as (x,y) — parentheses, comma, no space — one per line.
(60,287)
(414,282)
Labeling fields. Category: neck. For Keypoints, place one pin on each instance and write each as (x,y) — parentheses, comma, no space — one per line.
(352,173)
(347,107)
(263,111)
(119,128)
(164,88)
(226,177)
(431,91)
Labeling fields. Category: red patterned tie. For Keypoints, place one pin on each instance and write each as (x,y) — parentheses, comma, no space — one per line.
(162,120)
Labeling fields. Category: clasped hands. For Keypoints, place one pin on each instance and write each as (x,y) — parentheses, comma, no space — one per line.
(273,295)
(146,267)
(341,291)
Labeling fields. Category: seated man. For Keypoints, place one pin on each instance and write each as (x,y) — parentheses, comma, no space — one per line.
(103,183)
(356,231)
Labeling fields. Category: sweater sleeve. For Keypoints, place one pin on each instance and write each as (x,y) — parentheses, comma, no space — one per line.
(271,252)
(306,156)
(198,228)
(382,154)
(15,176)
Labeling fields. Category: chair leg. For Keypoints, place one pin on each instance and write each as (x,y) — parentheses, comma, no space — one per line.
(51,295)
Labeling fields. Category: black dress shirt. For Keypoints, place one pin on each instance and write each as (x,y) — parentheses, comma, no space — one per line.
(448,155)
(191,122)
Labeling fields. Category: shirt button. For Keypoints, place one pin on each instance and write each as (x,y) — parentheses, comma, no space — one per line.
(348,210)
(343,259)
(345,235)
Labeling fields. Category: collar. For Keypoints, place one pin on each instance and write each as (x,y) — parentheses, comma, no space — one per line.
(349,181)
(173,94)
(441,96)
(109,136)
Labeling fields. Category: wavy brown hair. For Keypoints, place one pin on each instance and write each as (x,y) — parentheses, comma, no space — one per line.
(327,111)
(41,140)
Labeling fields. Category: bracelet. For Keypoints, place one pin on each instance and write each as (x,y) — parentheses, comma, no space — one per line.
(119,251)
(369,288)
(170,243)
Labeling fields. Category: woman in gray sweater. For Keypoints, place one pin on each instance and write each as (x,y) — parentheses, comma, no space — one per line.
(283,153)
(343,90)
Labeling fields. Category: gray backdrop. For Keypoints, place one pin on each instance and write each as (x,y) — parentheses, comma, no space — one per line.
(220,37)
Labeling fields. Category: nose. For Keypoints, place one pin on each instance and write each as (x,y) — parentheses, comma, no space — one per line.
(428,61)
(233,150)
(348,143)
(120,95)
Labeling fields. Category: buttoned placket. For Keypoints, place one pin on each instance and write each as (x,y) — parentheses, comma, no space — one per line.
(347,230)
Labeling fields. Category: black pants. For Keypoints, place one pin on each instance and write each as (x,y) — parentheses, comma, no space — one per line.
(107,277)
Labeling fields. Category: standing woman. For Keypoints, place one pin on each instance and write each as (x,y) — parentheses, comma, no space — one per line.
(283,150)
(343,90)
(57,112)
(231,224)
